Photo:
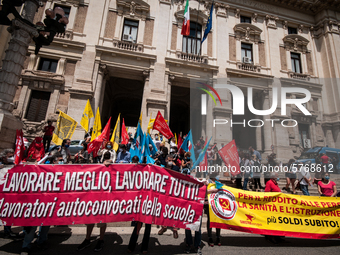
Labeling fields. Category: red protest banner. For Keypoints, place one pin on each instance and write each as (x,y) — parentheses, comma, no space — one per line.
(162,127)
(35,195)
(230,157)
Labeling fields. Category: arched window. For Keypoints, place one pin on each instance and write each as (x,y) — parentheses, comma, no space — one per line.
(192,43)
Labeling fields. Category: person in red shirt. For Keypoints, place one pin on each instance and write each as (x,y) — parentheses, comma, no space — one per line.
(271,185)
(324,161)
(326,187)
(324,158)
(48,132)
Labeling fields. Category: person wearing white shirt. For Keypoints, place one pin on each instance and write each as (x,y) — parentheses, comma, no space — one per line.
(304,179)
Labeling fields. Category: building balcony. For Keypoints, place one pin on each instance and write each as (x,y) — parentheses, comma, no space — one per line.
(249,67)
(192,57)
(42,80)
(129,46)
(68,35)
(299,76)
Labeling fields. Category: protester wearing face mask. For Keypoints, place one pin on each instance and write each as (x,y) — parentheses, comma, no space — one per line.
(82,156)
(8,157)
(186,161)
(108,148)
(64,150)
(163,155)
(157,142)
(123,155)
(170,164)
(326,187)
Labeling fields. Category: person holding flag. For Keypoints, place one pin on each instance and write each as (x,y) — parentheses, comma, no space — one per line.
(188,145)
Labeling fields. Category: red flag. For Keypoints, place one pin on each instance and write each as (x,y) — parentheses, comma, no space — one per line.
(204,164)
(179,143)
(162,127)
(19,147)
(230,157)
(125,136)
(36,149)
(94,146)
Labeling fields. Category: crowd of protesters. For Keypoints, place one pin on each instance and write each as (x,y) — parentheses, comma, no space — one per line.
(168,155)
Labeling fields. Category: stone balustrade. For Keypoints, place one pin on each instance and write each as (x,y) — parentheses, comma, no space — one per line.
(249,67)
(67,35)
(192,57)
(130,46)
(299,76)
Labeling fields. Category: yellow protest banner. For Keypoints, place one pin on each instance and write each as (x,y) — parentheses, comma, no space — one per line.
(274,213)
(87,115)
(64,129)
(116,134)
(97,126)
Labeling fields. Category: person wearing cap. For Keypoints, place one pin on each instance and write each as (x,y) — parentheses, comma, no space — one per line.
(123,155)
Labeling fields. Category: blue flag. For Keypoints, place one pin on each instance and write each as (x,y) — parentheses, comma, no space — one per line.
(134,151)
(201,156)
(154,148)
(188,145)
(146,153)
(150,160)
(209,24)
(139,138)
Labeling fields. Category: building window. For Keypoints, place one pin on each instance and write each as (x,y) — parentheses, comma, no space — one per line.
(37,106)
(48,65)
(67,9)
(247,52)
(304,136)
(245,19)
(292,30)
(296,62)
(192,43)
(130,31)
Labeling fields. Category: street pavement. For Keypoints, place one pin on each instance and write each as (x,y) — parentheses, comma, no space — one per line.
(65,240)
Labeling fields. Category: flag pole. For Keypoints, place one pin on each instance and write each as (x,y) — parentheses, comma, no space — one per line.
(199,3)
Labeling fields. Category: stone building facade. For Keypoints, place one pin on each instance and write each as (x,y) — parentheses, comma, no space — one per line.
(129,57)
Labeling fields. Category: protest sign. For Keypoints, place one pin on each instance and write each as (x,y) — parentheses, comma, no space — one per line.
(74,194)
(274,213)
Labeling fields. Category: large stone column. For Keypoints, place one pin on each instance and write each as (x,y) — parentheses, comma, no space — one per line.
(267,128)
(100,87)
(11,70)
